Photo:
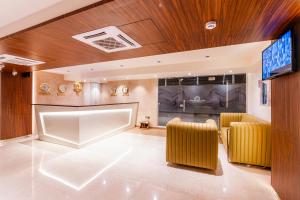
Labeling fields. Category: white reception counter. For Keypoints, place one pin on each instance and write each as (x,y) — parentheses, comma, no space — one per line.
(77,126)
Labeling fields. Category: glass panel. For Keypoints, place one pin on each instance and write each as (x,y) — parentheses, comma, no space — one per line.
(196,99)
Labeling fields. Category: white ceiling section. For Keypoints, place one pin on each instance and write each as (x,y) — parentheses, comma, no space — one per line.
(16,15)
(241,58)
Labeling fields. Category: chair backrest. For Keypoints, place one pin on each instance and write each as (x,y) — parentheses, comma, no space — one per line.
(250,118)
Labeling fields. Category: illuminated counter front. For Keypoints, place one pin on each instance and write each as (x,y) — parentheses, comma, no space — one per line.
(77,126)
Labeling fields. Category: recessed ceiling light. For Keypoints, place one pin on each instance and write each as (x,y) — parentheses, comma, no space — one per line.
(155,75)
(104,79)
(230,71)
(158,61)
(211,25)
(207,56)
(84,80)
(189,74)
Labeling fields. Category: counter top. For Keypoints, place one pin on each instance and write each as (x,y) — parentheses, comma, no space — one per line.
(109,104)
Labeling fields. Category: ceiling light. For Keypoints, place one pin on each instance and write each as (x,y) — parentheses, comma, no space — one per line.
(230,71)
(92,69)
(84,80)
(155,75)
(211,25)
(158,61)
(68,71)
(207,56)
(121,65)
(104,79)
(189,74)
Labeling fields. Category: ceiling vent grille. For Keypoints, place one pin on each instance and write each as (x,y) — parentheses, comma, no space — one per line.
(108,39)
(5,58)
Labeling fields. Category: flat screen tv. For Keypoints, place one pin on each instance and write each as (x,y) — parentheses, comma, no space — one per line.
(278,58)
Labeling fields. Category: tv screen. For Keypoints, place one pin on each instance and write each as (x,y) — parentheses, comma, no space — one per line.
(277,59)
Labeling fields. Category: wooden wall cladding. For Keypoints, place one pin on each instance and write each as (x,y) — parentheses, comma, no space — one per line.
(16,100)
(161,26)
(286,136)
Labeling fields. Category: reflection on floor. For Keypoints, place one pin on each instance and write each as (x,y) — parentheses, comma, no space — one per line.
(130,165)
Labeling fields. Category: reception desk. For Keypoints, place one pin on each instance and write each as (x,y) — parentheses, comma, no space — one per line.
(77,126)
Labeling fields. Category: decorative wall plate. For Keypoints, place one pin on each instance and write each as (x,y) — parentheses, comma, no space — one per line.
(125,91)
(45,89)
(77,87)
(62,88)
(113,91)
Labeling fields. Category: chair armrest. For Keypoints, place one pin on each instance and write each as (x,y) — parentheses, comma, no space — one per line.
(250,142)
(227,118)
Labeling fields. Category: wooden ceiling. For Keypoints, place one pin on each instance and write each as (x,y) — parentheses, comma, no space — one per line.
(161,26)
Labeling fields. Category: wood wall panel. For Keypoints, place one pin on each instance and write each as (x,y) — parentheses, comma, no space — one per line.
(286,136)
(16,100)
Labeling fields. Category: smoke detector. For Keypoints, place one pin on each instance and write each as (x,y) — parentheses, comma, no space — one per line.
(6,58)
(211,25)
(108,39)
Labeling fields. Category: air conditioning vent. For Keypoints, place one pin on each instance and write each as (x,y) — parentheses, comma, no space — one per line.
(94,35)
(108,39)
(125,40)
(5,58)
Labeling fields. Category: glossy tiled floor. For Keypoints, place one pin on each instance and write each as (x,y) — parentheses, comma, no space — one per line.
(130,165)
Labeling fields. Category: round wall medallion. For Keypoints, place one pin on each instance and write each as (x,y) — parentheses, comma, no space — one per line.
(44,89)
(113,91)
(77,87)
(62,88)
(125,91)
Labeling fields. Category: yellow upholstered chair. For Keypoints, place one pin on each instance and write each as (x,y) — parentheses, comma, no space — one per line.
(193,144)
(246,138)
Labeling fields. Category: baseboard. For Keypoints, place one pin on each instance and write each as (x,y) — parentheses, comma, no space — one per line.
(18,139)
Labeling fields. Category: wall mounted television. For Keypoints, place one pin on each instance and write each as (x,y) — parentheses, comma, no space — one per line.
(278,58)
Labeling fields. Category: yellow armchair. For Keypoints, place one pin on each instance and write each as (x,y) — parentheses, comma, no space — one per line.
(246,138)
(193,144)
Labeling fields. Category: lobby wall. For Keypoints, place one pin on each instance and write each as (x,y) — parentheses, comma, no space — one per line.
(254,106)
(53,80)
(143,91)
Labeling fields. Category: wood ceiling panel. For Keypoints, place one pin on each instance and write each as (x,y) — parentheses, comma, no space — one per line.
(162,26)
(136,32)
